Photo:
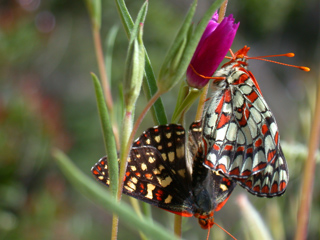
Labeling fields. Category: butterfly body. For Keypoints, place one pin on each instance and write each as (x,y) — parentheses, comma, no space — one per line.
(241,133)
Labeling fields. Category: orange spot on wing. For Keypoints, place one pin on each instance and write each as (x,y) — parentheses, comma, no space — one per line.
(183,214)
(159,195)
(235,172)
(258,143)
(223,120)
(95,172)
(265,189)
(259,167)
(256,188)
(249,150)
(276,138)
(271,155)
(148,175)
(245,115)
(240,149)
(246,173)
(274,188)
(216,147)
(227,96)
(252,96)
(222,167)
(241,79)
(208,163)
(249,183)
(283,185)
(264,129)
(228,147)
(220,205)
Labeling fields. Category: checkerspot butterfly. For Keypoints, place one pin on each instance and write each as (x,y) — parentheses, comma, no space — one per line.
(241,132)
(168,173)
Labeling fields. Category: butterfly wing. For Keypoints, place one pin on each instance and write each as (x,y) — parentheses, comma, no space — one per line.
(270,182)
(156,175)
(243,137)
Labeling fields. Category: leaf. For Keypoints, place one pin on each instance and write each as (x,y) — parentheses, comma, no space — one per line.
(108,136)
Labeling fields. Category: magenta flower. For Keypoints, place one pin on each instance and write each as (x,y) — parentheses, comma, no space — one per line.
(212,48)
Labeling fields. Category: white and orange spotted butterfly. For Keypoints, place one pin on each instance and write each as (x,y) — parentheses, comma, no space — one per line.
(240,133)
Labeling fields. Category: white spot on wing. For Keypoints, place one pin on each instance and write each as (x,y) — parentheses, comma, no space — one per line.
(232,131)
(150,188)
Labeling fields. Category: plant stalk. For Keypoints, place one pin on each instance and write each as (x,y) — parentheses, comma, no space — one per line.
(309,172)
(102,69)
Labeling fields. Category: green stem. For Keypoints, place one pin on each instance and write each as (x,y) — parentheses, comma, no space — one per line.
(102,69)
(308,176)
(202,101)
(114,227)
(177,225)
(125,141)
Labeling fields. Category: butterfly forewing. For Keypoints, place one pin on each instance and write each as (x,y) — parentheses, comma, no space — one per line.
(156,175)
(242,135)
(169,140)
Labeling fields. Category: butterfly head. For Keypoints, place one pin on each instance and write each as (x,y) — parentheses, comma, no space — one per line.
(242,53)
(206,220)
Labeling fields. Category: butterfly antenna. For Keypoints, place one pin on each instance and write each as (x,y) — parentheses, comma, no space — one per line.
(225,231)
(232,54)
(205,77)
(208,233)
(280,55)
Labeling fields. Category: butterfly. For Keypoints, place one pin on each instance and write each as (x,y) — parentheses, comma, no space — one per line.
(166,171)
(241,133)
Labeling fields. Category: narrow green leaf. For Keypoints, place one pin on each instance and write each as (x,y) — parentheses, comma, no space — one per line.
(140,19)
(109,141)
(149,86)
(110,40)
(181,36)
(94,191)
(94,8)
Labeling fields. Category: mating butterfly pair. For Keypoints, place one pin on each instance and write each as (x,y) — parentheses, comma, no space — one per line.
(236,142)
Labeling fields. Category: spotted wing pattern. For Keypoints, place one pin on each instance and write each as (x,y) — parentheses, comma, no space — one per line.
(242,134)
(156,171)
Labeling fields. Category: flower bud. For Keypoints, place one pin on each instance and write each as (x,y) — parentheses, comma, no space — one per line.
(212,48)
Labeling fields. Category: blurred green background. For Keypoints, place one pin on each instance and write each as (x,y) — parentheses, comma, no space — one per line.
(47,100)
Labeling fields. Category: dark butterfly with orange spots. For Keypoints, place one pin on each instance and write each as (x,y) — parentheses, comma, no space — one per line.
(165,171)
